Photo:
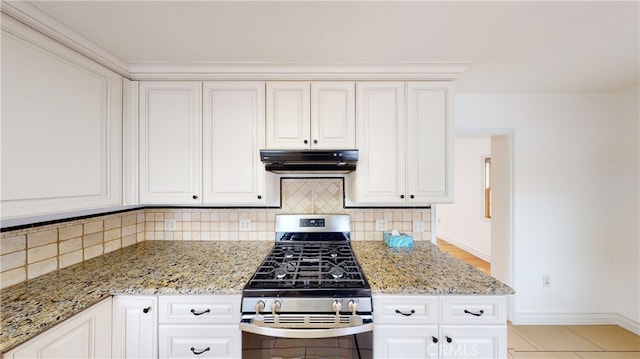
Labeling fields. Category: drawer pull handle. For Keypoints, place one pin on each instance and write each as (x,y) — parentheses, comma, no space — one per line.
(449,340)
(198,352)
(476,314)
(193,311)
(406,314)
(146,310)
(434,339)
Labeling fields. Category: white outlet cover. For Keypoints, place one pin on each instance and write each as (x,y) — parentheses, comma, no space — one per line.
(381,224)
(169,224)
(418,226)
(245,224)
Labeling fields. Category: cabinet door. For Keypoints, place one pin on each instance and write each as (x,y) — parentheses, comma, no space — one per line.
(380,177)
(202,341)
(61,137)
(429,142)
(86,335)
(233,134)
(473,341)
(288,115)
(135,326)
(170,142)
(405,342)
(333,117)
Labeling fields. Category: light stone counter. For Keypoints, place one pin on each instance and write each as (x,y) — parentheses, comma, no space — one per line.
(220,267)
(151,267)
(423,269)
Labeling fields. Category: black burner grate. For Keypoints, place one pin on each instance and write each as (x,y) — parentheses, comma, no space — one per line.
(309,265)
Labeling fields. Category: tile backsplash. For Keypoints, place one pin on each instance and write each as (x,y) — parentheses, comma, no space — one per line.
(31,252)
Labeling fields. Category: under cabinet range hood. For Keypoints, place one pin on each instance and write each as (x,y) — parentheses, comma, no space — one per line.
(309,161)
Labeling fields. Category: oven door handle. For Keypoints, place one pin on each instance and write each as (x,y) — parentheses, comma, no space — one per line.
(305,333)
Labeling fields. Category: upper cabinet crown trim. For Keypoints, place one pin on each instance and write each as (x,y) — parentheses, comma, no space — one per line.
(37,19)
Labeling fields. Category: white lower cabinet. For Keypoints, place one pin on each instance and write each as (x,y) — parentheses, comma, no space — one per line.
(405,341)
(473,341)
(85,335)
(135,319)
(440,327)
(199,326)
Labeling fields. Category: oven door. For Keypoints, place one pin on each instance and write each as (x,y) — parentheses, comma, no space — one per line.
(307,340)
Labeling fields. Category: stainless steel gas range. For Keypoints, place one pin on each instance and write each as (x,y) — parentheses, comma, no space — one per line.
(309,297)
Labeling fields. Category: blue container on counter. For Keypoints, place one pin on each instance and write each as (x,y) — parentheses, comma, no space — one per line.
(400,240)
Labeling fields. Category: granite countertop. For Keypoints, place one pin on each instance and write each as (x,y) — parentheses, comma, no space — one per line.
(220,267)
(423,269)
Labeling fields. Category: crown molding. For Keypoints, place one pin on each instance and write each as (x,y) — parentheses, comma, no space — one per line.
(33,17)
(298,71)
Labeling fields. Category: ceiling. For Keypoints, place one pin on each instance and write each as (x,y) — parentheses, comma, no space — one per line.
(531,46)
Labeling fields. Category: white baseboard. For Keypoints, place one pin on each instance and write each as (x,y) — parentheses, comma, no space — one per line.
(485,257)
(558,318)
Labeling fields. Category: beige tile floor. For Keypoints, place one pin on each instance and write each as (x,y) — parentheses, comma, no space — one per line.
(571,342)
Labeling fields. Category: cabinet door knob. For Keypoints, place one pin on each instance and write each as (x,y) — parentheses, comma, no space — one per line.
(305,142)
(259,197)
(434,339)
(146,310)
(412,196)
(194,196)
(315,141)
(402,196)
(449,340)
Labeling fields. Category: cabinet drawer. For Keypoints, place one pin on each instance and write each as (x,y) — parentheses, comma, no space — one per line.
(473,310)
(196,309)
(405,309)
(201,341)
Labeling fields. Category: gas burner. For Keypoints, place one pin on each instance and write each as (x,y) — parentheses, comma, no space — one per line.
(336,272)
(288,253)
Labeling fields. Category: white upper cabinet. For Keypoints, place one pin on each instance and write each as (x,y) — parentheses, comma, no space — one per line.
(429,142)
(199,143)
(333,115)
(404,137)
(233,134)
(380,177)
(61,127)
(170,142)
(310,115)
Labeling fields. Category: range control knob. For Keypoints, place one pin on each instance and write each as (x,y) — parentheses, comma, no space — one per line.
(259,306)
(275,307)
(336,306)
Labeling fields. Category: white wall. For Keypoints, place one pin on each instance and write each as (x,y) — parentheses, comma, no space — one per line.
(462,223)
(624,238)
(567,171)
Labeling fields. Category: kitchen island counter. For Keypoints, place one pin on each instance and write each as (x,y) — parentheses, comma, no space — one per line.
(208,267)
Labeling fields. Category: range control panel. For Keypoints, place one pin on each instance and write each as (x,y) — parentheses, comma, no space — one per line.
(312,222)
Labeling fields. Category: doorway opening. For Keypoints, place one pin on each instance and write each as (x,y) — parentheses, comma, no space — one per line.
(477,226)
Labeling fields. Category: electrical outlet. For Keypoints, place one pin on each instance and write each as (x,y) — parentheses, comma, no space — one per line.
(245,224)
(381,224)
(418,226)
(169,224)
(546,281)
